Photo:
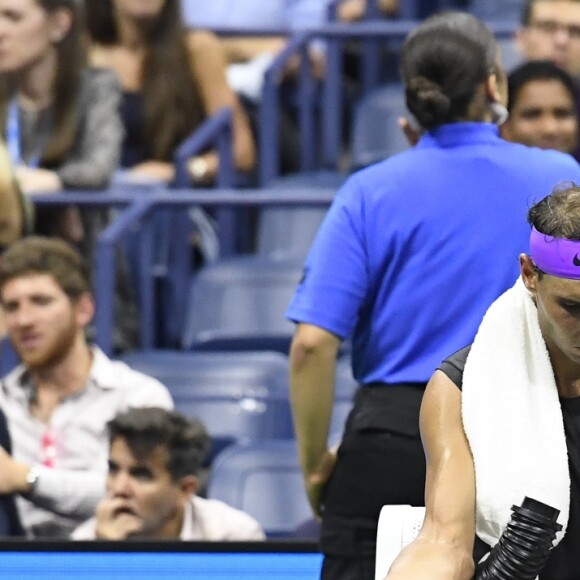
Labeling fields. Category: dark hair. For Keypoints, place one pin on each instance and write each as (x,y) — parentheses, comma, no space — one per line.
(538,70)
(173,106)
(527,12)
(53,256)
(145,428)
(558,214)
(71,59)
(443,62)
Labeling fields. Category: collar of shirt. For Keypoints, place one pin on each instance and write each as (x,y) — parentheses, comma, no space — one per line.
(189,529)
(458,134)
(102,375)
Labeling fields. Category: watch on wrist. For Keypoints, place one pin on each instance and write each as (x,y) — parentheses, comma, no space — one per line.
(198,169)
(32,478)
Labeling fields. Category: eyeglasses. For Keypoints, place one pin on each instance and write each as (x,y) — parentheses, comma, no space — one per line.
(551,27)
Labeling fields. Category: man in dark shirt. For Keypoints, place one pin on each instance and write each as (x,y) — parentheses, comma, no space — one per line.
(550,290)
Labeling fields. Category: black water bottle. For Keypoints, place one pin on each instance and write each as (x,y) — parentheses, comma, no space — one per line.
(524,546)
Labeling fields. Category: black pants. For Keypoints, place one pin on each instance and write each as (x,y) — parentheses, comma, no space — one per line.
(380,461)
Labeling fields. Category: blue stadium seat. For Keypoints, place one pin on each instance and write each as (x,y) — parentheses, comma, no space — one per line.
(376,134)
(510,57)
(239,304)
(264,480)
(239,396)
(289,231)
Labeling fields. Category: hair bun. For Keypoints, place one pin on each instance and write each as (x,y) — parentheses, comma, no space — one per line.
(427,101)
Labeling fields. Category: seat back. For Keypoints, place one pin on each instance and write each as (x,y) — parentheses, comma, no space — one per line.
(376,134)
(398,526)
(264,480)
(239,397)
(510,56)
(239,304)
(289,231)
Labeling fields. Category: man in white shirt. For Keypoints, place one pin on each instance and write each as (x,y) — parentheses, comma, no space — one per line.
(58,401)
(154,458)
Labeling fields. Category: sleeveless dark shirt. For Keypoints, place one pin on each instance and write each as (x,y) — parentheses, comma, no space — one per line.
(564,562)
(132,114)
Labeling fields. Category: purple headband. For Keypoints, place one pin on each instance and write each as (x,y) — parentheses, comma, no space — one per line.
(555,256)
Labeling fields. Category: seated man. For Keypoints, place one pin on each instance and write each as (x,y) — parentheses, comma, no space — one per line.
(154,458)
(58,401)
(542,107)
(502,417)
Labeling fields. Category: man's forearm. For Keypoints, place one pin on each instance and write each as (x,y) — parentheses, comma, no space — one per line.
(68,492)
(434,560)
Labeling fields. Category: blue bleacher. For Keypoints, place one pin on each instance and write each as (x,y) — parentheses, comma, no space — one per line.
(239,304)
(239,396)
(264,480)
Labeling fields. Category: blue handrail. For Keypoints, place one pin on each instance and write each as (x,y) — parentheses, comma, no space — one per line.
(139,209)
(372,34)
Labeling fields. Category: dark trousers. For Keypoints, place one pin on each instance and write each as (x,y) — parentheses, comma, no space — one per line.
(380,461)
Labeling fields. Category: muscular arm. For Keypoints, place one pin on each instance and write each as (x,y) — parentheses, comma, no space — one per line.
(208,62)
(312,372)
(443,549)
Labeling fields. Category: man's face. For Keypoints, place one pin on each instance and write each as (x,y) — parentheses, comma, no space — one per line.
(543,115)
(558,302)
(144,490)
(43,323)
(553,33)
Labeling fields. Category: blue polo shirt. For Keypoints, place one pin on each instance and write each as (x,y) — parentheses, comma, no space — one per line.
(414,249)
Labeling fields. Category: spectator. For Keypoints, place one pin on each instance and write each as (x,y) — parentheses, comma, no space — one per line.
(60,117)
(542,107)
(58,401)
(399,266)
(154,459)
(171,81)
(551,31)
(523,362)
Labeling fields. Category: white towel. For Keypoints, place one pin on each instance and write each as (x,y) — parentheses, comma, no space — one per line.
(512,416)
